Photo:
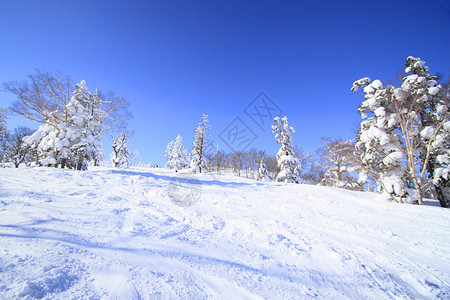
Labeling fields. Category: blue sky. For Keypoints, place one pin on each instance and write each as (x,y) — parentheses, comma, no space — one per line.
(174,60)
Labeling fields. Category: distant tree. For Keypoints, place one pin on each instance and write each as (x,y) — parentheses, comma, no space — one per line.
(168,154)
(287,162)
(405,141)
(312,173)
(338,159)
(262,174)
(3,131)
(176,154)
(272,166)
(237,162)
(16,150)
(309,171)
(198,162)
(219,161)
(120,157)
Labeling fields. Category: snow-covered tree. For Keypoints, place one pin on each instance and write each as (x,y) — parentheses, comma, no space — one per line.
(288,164)
(44,93)
(168,154)
(176,154)
(120,157)
(262,174)
(404,142)
(85,143)
(198,162)
(69,139)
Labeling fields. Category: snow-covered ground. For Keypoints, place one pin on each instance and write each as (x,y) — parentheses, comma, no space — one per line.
(130,234)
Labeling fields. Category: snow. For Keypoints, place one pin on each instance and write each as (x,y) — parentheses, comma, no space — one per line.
(379,112)
(377,84)
(427,132)
(447,126)
(117,234)
(393,158)
(433,90)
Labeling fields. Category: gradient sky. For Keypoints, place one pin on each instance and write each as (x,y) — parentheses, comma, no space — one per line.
(174,60)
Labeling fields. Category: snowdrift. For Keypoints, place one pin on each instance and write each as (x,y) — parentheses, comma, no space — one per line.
(151,233)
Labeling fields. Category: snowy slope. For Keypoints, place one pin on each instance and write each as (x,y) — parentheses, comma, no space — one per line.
(122,234)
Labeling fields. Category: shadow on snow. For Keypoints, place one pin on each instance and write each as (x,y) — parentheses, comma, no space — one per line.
(185,177)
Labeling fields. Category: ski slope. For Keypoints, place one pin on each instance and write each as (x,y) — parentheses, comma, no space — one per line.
(154,234)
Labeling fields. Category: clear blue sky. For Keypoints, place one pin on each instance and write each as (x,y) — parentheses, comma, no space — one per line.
(174,60)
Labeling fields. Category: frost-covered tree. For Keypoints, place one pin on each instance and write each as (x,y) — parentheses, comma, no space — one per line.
(83,132)
(218,162)
(288,164)
(404,142)
(168,154)
(262,174)
(176,154)
(120,157)
(70,139)
(198,161)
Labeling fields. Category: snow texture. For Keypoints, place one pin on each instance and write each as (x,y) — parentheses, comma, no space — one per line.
(115,234)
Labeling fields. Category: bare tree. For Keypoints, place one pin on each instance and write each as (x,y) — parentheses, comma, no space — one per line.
(43,97)
(338,159)
(16,150)
(40,95)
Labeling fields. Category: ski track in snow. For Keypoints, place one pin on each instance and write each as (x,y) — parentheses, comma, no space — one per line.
(116,234)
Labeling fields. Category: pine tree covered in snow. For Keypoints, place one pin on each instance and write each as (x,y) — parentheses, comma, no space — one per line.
(198,161)
(69,139)
(168,154)
(176,154)
(120,157)
(85,143)
(404,142)
(287,162)
(263,174)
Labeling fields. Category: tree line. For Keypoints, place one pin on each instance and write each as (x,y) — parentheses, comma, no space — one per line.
(73,120)
(401,148)
(402,144)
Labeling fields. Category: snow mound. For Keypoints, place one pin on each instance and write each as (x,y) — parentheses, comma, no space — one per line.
(121,234)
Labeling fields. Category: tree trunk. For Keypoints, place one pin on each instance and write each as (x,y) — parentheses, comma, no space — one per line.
(80,163)
(440,196)
(418,190)
(439,189)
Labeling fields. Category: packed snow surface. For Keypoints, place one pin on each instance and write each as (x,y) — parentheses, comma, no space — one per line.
(155,234)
